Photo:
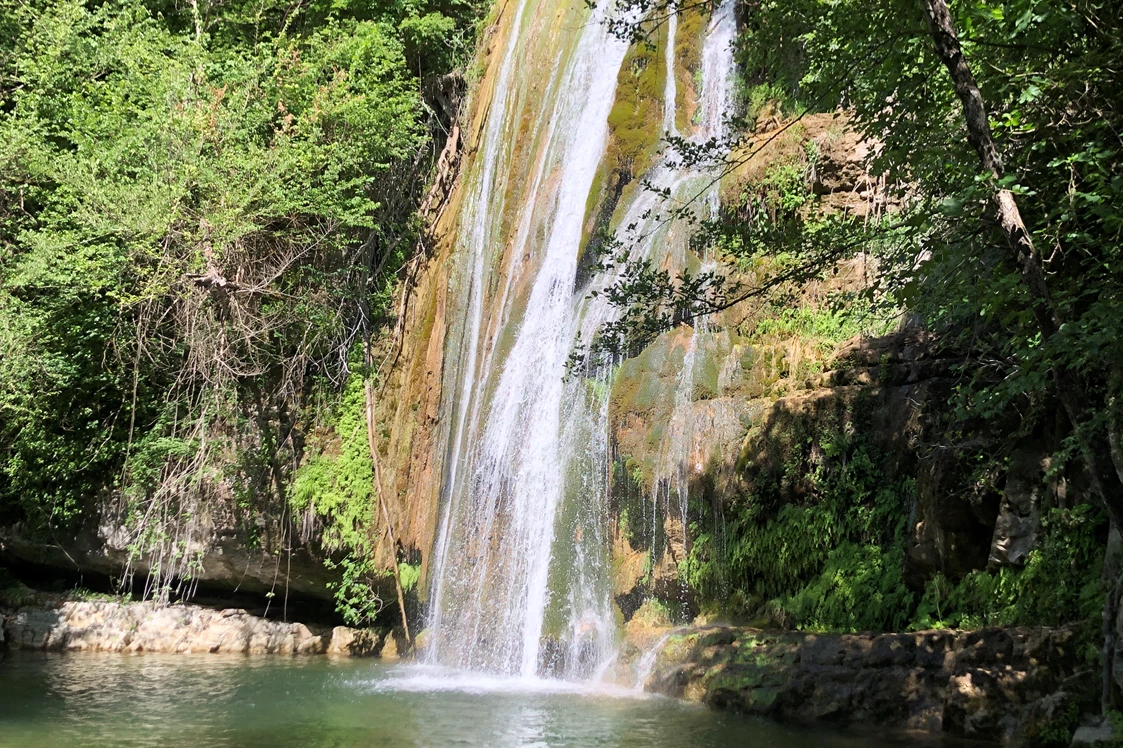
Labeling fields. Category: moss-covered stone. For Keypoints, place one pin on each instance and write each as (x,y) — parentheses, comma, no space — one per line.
(689,37)
(991,685)
(634,135)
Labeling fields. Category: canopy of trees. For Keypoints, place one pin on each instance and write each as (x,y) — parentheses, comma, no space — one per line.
(1027,121)
(202,207)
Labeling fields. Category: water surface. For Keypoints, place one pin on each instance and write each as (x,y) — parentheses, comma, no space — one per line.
(198,701)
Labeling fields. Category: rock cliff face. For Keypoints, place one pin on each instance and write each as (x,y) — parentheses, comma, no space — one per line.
(223,562)
(734,415)
(414,410)
(1007,685)
(742,420)
(56,625)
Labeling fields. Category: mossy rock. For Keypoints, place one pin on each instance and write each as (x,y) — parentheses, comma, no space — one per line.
(738,679)
(634,136)
(689,38)
(761,699)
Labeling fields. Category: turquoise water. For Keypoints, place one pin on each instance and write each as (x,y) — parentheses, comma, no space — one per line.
(199,701)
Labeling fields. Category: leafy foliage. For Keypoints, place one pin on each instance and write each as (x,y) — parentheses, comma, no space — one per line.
(1060,583)
(1043,68)
(201,206)
(334,490)
(834,558)
(356,596)
(1048,76)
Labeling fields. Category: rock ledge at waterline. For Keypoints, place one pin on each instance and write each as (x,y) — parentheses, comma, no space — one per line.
(97,626)
(1010,685)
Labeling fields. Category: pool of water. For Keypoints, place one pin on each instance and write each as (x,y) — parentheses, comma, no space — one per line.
(199,701)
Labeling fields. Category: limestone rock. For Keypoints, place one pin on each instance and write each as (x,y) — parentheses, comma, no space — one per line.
(954,527)
(1019,516)
(97,626)
(391,650)
(353,642)
(1004,685)
(1095,736)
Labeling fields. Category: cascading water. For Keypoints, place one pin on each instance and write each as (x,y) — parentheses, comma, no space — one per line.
(678,457)
(507,465)
(520,579)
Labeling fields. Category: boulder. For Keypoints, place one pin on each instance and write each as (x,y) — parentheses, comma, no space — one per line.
(350,642)
(953,529)
(1019,515)
(1095,736)
(391,650)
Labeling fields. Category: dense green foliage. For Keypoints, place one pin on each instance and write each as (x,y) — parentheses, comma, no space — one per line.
(202,206)
(1048,73)
(1060,583)
(1049,76)
(819,541)
(834,558)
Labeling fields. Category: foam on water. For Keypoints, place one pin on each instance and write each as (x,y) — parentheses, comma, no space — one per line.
(437,679)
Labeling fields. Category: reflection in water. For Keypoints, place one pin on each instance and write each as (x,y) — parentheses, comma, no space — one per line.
(210,700)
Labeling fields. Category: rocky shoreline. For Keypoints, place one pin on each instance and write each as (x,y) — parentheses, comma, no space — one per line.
(1014,686)
(54,624)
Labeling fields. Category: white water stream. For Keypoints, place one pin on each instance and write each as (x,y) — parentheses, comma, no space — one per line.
(521,580)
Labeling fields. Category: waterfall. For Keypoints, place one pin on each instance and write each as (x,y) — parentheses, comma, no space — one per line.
(506,466)
(521,581)
(678,453)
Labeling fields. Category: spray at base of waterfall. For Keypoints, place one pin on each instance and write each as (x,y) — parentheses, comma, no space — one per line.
(646,663)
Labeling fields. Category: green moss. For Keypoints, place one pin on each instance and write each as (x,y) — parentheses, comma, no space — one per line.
(689,37)
(635,117)
(760,699)
(706,373)
(741,679)
(633,137)
(655,613)
(630,501)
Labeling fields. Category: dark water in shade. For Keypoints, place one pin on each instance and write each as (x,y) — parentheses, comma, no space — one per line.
(197,701)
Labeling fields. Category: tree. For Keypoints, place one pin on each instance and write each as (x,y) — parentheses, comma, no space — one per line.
(202,205)
(1012,180)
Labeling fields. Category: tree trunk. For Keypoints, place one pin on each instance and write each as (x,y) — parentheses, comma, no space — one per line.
(1110,613)
(1115,418)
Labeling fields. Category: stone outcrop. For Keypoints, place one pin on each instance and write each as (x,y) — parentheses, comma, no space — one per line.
(56,625)
(1007,685)
(224,562)
(970,509)
(1095,736)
